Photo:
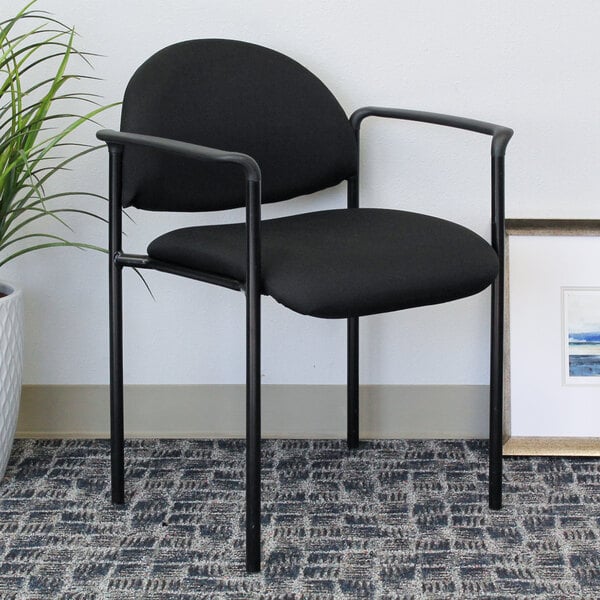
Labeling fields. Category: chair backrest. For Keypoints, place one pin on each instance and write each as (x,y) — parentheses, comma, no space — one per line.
(233,96)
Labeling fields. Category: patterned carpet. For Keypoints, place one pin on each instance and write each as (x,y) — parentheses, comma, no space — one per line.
(396,519)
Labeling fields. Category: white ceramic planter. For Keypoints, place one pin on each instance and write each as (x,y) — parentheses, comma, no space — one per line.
(11,367)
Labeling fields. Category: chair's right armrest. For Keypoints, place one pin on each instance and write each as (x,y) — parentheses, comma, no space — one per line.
(500,135)
(194,151)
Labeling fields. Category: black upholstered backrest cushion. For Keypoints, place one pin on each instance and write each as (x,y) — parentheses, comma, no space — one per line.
(239,97)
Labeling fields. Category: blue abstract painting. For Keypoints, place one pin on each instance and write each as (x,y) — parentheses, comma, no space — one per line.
(582,332)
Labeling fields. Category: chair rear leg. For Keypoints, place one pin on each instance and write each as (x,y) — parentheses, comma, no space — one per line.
(253,433)
(496,395)
(352,390)
(116,385)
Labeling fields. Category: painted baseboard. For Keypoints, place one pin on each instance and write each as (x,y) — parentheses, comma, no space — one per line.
(551,446)
(289,411)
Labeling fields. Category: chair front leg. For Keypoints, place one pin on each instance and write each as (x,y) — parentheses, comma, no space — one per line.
(117,441)
(116,328)
(253,433)
(352,389)
(496,395)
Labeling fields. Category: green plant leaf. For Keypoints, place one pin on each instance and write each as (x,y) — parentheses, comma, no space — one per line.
(52,245)
(34,44)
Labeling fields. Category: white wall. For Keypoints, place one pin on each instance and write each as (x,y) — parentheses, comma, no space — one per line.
(530,65)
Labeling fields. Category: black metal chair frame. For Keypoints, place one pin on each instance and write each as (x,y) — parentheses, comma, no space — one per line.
(118,259)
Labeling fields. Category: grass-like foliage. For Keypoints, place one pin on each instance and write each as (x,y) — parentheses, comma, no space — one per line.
(37,54)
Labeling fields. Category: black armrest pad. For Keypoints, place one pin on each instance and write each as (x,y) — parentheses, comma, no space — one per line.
(195,151)
(500,135)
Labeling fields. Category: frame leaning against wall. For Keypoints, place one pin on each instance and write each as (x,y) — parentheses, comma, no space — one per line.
(539,444)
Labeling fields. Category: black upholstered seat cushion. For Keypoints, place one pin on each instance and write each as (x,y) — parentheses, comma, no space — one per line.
(348,262)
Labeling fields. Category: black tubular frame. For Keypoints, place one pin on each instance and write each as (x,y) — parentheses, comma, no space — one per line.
(116,325)
(500,138)
(116,141)
(352,390)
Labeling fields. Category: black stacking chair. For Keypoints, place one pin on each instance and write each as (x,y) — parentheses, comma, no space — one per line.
(216,124)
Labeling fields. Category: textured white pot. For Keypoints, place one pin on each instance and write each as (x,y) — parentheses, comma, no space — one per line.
(11,367)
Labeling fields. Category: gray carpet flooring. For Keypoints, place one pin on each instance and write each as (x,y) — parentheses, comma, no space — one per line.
(395,519)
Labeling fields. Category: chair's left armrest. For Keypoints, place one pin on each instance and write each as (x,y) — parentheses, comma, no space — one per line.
(194,151)
(116,140)
(500,135)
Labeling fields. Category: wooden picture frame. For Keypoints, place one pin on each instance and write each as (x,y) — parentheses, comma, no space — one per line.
(539,265)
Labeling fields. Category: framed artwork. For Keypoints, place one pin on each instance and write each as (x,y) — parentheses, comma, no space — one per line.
(581,335)
(552,337)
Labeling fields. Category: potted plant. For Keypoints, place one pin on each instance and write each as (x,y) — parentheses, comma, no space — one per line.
(37,119)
